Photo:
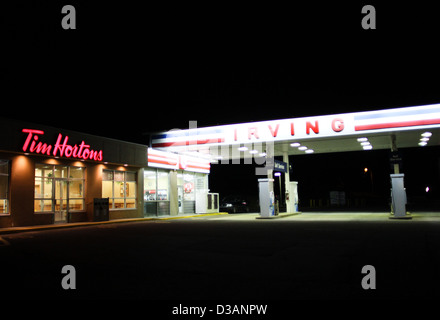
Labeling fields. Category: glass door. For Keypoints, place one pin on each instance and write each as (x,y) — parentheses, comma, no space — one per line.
(61,205)
(180,198)
(59,189)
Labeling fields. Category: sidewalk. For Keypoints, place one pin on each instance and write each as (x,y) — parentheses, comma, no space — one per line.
(92,223)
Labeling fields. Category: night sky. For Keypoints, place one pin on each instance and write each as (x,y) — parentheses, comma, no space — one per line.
(130,69)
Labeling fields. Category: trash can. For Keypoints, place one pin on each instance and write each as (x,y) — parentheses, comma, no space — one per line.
(100,209)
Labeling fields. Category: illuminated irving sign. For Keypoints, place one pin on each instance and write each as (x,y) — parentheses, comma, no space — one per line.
(60,148)
(295,129)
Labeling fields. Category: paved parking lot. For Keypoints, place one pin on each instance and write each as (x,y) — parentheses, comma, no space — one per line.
(308,256)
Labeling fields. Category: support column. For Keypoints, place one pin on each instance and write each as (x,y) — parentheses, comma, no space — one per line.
(270,159)
(265,186)
(394,149)
(291,188)
(289,195)
(173,194)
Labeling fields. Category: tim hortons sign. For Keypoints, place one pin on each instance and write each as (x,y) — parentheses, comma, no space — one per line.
(61,148)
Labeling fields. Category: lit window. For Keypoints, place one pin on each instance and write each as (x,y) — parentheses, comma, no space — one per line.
(59,188)
(120,187)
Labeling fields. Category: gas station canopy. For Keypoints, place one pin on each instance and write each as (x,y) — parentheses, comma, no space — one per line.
(382,129)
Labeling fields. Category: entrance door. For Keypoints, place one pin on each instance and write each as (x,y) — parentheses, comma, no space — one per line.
(180,198)
(61,205)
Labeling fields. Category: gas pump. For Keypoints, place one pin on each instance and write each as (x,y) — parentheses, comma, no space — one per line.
(267,197)
(292,197)
(398,197)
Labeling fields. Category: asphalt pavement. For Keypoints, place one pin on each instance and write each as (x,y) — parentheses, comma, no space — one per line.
(233,257)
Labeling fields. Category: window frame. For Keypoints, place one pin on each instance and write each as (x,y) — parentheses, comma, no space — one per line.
(8,184)
(156,189)
(52,178)
(122,184)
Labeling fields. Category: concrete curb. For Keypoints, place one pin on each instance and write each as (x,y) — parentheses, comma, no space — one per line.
(93,223)
(279,216)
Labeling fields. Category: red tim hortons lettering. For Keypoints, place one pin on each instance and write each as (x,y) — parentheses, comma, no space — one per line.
(33,147)
(61,147)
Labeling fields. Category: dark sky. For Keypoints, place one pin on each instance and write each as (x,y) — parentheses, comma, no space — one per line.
(129,68)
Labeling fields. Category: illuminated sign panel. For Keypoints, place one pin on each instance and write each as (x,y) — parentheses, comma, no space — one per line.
(61,148)
(276,130)
(304,128)
(173,161)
